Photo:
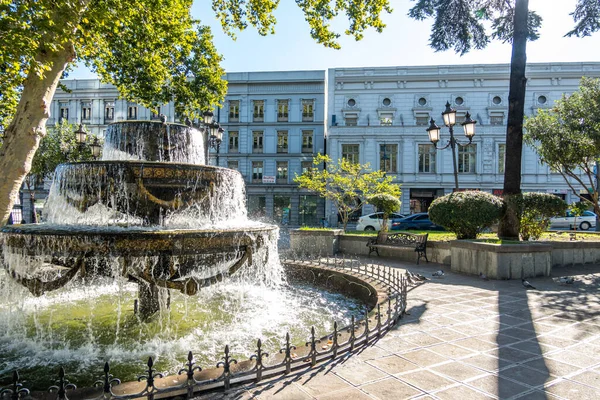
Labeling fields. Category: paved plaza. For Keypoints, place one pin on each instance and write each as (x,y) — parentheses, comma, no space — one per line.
(467,338)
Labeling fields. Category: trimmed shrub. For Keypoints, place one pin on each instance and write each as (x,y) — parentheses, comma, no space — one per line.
(387,204)
(466,213)
(536,211)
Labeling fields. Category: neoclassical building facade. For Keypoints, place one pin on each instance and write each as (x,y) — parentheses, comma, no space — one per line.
(380,116)
(275,122)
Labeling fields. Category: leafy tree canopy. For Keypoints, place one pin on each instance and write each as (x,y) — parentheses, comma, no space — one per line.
(567,137)
(347,185)
(471,24)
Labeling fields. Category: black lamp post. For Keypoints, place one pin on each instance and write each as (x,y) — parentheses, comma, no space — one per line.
(449,115)
(95,147)
(80,135)
(214,134)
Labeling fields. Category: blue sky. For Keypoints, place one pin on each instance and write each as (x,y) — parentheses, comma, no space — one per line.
(403,42)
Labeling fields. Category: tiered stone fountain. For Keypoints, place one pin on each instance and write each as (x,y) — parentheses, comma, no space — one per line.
(149,211)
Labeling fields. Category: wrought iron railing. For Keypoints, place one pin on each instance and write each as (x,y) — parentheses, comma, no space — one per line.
(192,380)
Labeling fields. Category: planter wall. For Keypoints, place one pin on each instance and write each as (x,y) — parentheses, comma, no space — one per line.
(315,243)
(506,261)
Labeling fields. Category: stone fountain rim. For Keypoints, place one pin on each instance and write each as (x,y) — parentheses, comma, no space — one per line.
(171,165)
(134,121)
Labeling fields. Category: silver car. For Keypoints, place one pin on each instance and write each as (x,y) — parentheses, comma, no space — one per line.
(570,221)
(372,222)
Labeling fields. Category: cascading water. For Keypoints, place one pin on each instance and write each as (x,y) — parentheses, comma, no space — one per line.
(126,241)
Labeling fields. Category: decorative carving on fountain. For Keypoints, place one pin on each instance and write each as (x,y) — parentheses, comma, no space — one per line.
(117,210)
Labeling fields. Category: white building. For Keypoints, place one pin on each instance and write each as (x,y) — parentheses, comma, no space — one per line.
(380,116)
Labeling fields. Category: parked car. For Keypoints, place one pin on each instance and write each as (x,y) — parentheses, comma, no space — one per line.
(568,221)
(418,221)
(372,222)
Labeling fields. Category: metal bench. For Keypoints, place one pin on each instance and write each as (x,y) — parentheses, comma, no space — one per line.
(400,239)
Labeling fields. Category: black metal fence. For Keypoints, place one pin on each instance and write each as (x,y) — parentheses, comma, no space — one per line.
(193,380)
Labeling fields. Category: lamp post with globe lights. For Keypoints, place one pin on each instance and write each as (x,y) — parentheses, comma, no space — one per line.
(449,116)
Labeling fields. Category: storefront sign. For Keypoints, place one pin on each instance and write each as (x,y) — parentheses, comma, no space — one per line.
(268,179)
(557,191)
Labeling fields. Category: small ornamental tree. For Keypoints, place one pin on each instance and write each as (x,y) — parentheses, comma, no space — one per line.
(387,204)
(346,184)
(466,213)
(536,211)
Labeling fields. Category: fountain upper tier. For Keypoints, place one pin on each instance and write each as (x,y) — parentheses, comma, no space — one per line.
(145,193)
(153,141)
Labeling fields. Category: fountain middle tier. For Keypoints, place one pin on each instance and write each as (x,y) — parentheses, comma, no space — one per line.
(145,193)
(44,258)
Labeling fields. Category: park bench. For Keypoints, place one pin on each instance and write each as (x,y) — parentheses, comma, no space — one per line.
(400,239)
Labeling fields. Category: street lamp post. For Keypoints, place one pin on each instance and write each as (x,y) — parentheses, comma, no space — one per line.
(214,134)
(449,116)
(95,147)
(80,136)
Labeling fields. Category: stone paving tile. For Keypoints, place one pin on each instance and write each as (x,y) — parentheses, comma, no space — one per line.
(318,383)
(358,373)
(533,346)
(589,378)
(555,341)
(393,364)
(511,355)
(536,395)
(573,390)
(527,376)
(556,368)
(353,394)
(391,388)
(498,386)
(451,351)
(446,334)
(371,353)
(461,393)
(484,362)
(282,391)
(578,359)
(424,358)
(458,371)
(475,344)
(425,381)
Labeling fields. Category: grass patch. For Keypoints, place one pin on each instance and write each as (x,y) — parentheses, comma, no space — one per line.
(441,236)
(311,228)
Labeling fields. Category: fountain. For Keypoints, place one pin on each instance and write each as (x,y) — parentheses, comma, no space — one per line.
(125,266)
(148,211)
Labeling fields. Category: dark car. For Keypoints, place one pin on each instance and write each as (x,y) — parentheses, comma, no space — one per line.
(418,221)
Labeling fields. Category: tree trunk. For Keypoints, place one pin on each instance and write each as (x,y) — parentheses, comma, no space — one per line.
(509,224)
(28,126)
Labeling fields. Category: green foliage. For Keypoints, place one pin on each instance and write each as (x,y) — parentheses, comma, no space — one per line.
(57,147)
(567,138)
(466,213)
(536,211)
(387,204)
(347,185)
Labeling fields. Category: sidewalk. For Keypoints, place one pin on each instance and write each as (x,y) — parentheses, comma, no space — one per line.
(466,338)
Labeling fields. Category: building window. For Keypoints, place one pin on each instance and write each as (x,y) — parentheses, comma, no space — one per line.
(307,141)
(259,110)
(388,158)
(282,110)
(282,141)
(64,113)
(350,152)
(257,141)
(351,119)
(86,111)
(306,166)
(233,142)
(307,211)
(233,164)
(386,119)
(501,157)
(282,172)
(497,119)
(257,206)
(281,209)
(497,100)
(422,119)
(467,157)
(234,111)
(308,110)
(109,111)
(257,171)
(426,158)
(132,112)
(422,101)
